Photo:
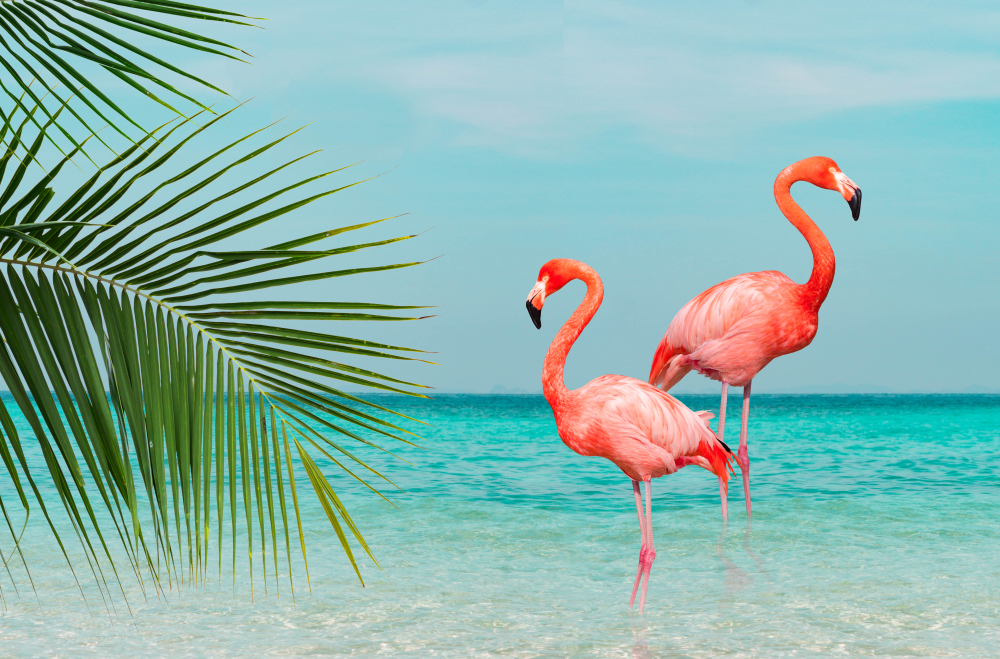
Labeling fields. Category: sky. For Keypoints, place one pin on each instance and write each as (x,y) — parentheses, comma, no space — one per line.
(643,139)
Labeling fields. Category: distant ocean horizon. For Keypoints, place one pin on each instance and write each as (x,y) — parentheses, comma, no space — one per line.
(837,388)
(708,389)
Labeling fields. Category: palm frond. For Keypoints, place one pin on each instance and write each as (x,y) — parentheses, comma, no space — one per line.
(138,369)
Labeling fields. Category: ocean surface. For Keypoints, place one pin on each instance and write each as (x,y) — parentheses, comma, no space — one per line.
(876,533)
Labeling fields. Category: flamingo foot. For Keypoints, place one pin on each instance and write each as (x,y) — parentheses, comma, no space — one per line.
(638,575)
(645,583)
(646,557)
(744,461)
(648,552)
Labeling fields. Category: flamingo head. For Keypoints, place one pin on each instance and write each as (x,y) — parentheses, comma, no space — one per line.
(824,173)
(554,275)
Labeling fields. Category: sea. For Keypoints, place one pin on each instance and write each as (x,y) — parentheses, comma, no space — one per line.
(875,533)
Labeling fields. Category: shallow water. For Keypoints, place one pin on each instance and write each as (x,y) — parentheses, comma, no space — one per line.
(875,533)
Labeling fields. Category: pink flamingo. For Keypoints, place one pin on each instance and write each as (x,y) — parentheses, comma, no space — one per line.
(645,431)
(734,329)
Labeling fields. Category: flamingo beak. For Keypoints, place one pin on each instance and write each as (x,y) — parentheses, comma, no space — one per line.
(536,298)
(851,192)
(855,203)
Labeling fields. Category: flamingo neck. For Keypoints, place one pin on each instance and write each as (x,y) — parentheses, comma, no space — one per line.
(814,291)
(555,359)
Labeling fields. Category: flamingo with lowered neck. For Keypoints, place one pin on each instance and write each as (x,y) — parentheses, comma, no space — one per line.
(734,329)
(646,432)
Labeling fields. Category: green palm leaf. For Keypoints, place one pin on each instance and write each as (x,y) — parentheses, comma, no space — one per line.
(59,43)
(144,382)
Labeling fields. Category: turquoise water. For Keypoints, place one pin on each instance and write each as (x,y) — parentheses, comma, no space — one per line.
(875,534)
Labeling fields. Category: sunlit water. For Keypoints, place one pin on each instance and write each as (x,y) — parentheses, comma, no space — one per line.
(875,533)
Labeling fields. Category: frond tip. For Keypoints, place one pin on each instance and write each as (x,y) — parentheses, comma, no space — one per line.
(48,40)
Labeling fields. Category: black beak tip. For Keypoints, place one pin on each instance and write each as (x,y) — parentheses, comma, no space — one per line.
(855,204)
(536,314)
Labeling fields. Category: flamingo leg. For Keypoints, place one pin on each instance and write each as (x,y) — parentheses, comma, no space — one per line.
(723,490)
(642,532)
(650,549)
(741,457)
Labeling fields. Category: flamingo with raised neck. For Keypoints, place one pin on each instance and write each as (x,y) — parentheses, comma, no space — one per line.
(734,329)
(646,432)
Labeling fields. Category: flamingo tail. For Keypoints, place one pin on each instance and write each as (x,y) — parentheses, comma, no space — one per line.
(668,367)
(720,459)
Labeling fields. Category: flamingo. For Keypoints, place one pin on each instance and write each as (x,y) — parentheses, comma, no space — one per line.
(734,329)
(646,432)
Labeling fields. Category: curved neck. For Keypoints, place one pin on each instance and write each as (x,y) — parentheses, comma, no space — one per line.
(555,359)
(815,290)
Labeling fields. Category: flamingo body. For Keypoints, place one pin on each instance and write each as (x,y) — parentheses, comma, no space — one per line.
(644,431)
(734,329)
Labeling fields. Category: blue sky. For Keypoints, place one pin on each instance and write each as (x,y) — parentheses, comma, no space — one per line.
(644,138)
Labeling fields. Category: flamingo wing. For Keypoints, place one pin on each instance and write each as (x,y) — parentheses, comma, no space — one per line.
(645,430)
(653,414)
